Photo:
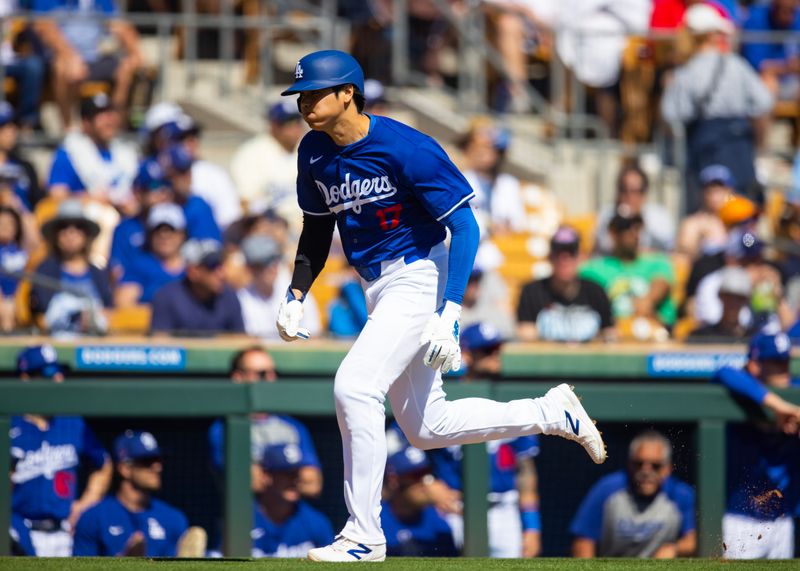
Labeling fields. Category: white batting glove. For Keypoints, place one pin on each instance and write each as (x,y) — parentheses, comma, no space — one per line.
(442,333)
(290,313)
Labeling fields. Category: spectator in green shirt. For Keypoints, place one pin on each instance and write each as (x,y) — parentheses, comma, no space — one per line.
(638,284)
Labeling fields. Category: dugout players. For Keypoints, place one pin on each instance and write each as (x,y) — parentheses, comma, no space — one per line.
(45,455)
(641,512)
(283,524)
(132,522)
(763,456)
(253,365)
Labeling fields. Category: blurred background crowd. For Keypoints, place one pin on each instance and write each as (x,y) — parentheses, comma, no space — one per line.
(637,179)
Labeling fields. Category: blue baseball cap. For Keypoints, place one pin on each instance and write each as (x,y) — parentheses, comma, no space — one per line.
(719,174)
(283,111)
(176,158)
(150,176)
(743,244)
(769,345)
(39,360)
(134,445)
(283,457)
(480,336)
(7,113)
(183,126)
(407,461)
(326,68)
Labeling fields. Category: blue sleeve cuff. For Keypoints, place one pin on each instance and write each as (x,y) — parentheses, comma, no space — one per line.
(464,240)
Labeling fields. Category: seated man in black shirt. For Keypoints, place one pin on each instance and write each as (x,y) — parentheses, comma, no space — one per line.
(564,307)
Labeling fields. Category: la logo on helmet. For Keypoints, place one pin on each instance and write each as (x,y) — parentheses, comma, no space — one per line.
(298,71)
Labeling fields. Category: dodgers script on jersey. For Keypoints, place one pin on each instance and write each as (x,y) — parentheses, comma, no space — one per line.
(45,464)
(105,529)
(389,190)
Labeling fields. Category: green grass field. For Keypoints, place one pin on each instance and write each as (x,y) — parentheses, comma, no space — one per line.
(396,564)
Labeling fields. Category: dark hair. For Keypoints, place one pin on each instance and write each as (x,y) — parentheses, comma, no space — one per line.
(238,358)
(358,97)
(632,168)
(18,219)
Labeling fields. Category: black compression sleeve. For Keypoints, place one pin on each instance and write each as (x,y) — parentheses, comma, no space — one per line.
(312,250)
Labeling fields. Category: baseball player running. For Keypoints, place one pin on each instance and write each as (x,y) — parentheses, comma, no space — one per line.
(393,192)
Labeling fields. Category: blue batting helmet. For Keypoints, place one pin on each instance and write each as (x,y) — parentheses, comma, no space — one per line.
(327,68)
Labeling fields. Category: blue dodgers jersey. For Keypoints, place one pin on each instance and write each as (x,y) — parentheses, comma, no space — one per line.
(104,529)
(428,536)
(592,522)
(306,529)
(763,473)
(503,456)
(45,465)
(389,190)
(264,431)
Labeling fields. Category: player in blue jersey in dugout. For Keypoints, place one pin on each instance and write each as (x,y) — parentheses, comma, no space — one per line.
(763,455)
(394,193)
(46,454)
(131,522)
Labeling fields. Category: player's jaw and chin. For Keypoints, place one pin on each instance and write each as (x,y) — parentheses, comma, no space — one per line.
(321,108)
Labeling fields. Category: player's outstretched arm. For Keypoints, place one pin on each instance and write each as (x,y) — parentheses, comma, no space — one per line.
(312,253)
(442,331)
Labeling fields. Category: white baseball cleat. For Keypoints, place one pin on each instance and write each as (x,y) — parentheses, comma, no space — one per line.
(576,425)
(344,550)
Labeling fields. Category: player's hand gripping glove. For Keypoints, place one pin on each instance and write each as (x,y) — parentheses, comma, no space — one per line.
(290,313)
(442,332)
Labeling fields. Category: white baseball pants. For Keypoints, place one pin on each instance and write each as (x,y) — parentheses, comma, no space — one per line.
(386,359)
(52,543)
(749,538)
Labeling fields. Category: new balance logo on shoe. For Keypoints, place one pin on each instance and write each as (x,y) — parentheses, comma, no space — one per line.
(357,553)
(574,425)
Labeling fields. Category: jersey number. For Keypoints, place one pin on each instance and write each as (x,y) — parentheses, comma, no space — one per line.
(390,216)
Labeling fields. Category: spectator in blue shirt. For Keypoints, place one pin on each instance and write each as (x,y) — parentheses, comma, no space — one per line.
(132,522)
(252,365)
(639,512)
(93,161)
(777,62)
(160,263)
(200,303)
(763,471)
(75,33)
(177,164)
(78,291)
(412,525)
(151,187)
(283,524)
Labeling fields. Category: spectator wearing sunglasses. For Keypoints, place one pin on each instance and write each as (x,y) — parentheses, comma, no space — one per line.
(253,365)
(201,302)
(639,512)
(132,522)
